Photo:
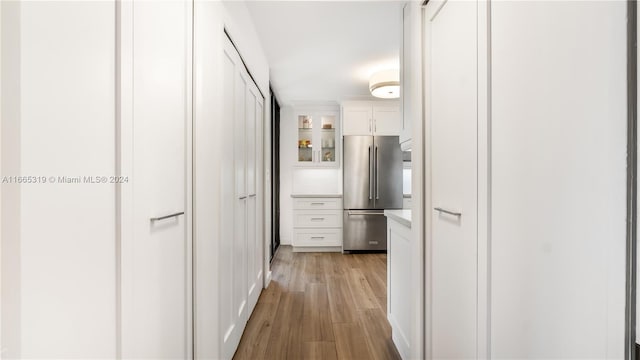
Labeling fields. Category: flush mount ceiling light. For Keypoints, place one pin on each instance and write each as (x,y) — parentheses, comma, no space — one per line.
(385,84)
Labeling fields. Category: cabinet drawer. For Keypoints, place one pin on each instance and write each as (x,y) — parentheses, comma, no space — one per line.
(317,218)
(317,237)
(317,203)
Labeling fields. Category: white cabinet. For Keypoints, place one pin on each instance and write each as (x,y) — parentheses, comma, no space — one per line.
(399,277)
(410,70)
(317,223)
(318,137)
(452,102)
(242,240)
(371,118)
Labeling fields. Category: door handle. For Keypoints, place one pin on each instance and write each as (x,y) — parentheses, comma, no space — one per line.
(375,125)
(252,195)
(317,237)
(317,203)
(454,213)
(242,197)
(377,159)
(166,216)
(317,219)
(370,121)
(350,213)
(370,176)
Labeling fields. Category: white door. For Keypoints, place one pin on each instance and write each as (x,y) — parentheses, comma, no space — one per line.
(156,259)
(451,36)
(253,267)
(386,120)
(357,120)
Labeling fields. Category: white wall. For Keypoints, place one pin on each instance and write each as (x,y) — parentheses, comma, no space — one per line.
(298,180)
(211,18)
(58,240)
(558,133)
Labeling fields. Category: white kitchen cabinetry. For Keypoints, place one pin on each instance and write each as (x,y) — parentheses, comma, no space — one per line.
(318,137)
(411,70)
(399,279)
(242,241)
(371,118)
(317,222)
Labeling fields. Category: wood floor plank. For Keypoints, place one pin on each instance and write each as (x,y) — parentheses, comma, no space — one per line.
(298,272)
(363,296)
(341,304)
(320,350)
(351,343)
(378,334)
(372,272)
(285,340)
(316,325)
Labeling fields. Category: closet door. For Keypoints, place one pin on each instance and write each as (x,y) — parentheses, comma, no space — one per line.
(234,257)
(156,254)
(451,35)
(254,264)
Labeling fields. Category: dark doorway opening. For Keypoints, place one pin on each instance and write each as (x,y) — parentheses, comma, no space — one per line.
(275,174)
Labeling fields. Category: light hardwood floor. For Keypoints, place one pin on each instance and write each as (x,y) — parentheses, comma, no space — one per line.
(321,306)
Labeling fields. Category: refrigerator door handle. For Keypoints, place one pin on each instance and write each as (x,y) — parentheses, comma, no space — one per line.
(370,176)
(377,161)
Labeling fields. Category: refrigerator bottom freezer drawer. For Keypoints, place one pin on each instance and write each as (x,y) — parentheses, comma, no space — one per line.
(364,230)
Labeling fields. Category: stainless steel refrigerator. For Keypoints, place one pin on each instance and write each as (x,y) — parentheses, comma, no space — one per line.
(372,182)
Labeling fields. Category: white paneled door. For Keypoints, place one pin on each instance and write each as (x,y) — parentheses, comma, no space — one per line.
(452,75)
(242,234)
(156,253)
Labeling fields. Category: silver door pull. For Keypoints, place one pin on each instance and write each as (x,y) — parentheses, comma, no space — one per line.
(317,237)
(252,195)
(458,214)
(242,197)
(370,176)
(317,203)
(377,170)
(364,213)
(167,216)
(317,219)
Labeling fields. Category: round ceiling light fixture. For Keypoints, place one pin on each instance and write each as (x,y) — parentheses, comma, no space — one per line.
(385,84)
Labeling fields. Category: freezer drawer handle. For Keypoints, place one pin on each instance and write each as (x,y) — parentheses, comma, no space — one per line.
(365,213)
(317,237)
(166,216)
(317,203)
(458,214)
(317,219)
(373,242)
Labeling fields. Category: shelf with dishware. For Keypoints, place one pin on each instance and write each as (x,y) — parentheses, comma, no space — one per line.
(318,139)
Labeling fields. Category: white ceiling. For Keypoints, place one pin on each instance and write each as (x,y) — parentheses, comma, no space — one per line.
(326,51)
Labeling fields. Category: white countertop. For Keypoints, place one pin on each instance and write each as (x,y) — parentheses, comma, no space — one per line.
(401,216)
(316,195)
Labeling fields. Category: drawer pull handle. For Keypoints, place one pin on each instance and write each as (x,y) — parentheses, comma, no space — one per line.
(373,242)
(317,203)
(317,237)
(317,219)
